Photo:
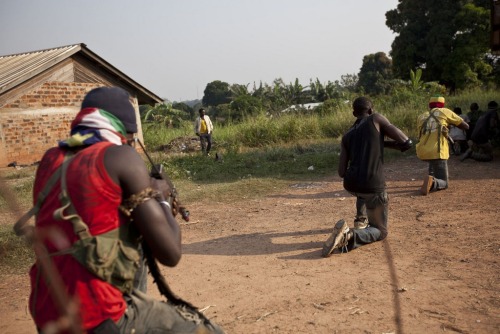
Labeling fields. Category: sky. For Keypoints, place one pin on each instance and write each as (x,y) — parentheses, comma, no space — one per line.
(175,48)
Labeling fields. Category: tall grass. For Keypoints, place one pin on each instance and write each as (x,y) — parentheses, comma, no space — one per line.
(401,108)
(269,146)
(156,135)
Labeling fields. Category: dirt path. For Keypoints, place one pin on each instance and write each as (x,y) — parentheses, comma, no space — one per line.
(256,264)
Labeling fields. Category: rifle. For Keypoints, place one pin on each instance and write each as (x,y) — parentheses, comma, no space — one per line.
(173,198)
(182,306)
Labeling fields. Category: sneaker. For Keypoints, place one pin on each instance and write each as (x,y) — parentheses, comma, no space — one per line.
(426,187)
(360,223)
(338,239)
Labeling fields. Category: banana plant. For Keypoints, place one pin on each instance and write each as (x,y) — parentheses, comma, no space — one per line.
(163,114)
(415,80)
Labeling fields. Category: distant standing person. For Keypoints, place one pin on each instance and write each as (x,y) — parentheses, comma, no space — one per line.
(361,167)
(480,147)
(203,128)
(432,146)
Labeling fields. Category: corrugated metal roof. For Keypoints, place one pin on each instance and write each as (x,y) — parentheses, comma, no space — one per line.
(18,68)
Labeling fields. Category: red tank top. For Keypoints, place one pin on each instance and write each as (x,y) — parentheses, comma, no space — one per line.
(96,198)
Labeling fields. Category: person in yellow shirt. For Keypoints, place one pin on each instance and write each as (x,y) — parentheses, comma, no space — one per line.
(203,128)
(433,145)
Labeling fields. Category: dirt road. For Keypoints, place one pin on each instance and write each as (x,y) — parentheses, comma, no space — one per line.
(257,267)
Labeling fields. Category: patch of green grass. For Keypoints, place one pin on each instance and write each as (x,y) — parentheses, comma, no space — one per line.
(280,162)
(251,173)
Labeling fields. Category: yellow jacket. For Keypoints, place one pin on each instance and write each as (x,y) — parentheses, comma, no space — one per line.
(433,131)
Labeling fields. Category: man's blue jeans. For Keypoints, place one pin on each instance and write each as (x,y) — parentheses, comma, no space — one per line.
(375,207)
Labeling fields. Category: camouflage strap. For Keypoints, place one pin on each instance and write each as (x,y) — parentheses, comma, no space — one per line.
(426,129)
(21,224)
(111,256)
(79,227)
(135,200)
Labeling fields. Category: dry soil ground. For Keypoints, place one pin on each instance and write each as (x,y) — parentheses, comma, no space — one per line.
(256,265)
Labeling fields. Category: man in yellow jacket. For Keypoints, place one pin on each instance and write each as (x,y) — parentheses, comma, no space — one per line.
(203,128)
(433,143)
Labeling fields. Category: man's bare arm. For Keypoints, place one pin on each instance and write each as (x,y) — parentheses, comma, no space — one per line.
(400,141)
(157,225)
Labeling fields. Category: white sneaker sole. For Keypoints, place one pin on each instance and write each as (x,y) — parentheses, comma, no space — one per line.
(335,239)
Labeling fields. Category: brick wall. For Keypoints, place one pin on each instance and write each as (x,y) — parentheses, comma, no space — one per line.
(27,135)
(36,121)
(53,94)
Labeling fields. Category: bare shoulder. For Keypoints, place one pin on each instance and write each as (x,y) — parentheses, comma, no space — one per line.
(126,167)
(381,119)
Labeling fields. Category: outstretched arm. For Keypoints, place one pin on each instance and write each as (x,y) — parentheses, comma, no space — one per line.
(400,141)
(156,223)
(399,146)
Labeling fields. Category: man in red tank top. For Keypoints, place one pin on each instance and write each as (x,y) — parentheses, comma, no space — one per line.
(102,174)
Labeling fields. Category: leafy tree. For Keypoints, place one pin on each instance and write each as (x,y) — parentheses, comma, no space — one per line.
(245,106)
(349,82)
(375,73)
(414,86)
(216,92)
(183,107)
(333,90)
(238,90)
(296,92)
(447,38)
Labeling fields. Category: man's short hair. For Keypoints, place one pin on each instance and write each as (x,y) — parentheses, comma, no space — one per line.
(362,104)
(492,105)
(474,106)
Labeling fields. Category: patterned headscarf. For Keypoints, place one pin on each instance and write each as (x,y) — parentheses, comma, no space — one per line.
(92,125)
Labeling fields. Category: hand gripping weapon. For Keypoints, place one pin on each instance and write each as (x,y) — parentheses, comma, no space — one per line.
(185,308)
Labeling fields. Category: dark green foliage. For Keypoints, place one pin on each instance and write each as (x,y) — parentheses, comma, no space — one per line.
(216,92)
(447,38)
(185,108)
(245,106)
(333,90)
(375,74)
